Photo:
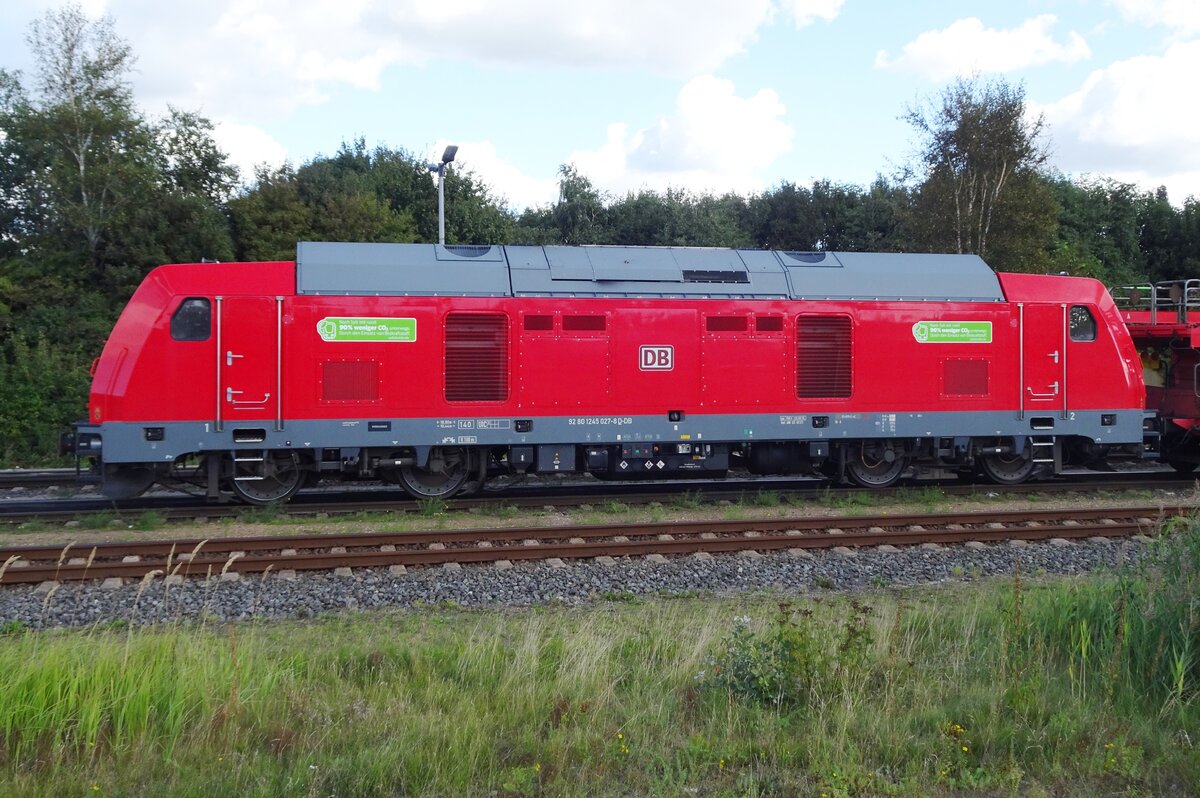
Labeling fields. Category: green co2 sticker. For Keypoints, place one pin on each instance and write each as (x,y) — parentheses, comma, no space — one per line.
(338,329)
(953,332)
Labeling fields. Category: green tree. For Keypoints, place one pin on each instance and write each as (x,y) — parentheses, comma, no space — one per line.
(979,163)
(1169,238)
(362,195)
(1098,231)
(92,196)
(579,214)
(783,219)
(92,140)
(269,218)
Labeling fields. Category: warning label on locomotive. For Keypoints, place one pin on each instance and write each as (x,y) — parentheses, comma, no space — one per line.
(953,332)
(339,329)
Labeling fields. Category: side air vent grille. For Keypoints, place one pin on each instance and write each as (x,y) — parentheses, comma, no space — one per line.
(702,276)
(965,377)
(476,357)
(823,357)
(350,381)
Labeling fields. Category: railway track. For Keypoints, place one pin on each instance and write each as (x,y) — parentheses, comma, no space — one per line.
(38,478)
(314,504)
(285,555)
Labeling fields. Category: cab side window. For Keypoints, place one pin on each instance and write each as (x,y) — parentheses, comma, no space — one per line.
(192,320)
(1083,324)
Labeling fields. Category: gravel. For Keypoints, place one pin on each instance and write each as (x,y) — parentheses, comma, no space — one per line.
(528,583)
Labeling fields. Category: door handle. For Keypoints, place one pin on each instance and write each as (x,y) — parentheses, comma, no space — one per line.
(230,356)
(230,393)
(1053,392)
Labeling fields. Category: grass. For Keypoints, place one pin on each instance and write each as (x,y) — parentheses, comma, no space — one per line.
(1071,687)
(928,498)
(688,500)
(500,509)
(431,507)
(94,521)
(767,498)
(148,521)
(263,514)
(849,502)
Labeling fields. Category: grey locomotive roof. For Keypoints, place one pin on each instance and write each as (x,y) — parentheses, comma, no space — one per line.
(600,271)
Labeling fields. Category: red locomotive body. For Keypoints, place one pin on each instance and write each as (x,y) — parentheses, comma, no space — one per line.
(429,365)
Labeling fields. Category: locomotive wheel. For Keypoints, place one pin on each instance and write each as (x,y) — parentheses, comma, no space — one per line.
(445,475)
(282,477)
(869,466)
(1007,469)
(1182,466)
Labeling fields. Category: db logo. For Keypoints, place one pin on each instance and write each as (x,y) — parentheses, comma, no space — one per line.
(657,358)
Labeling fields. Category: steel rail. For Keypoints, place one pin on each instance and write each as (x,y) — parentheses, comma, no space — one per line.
(46,563)
(38,478)
(351,503)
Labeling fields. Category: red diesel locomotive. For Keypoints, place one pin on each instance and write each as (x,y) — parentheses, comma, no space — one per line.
(432,366)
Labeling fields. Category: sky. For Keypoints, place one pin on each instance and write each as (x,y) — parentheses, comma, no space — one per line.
(701,95)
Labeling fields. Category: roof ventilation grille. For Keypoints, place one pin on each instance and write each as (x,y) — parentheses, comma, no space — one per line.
(710,276)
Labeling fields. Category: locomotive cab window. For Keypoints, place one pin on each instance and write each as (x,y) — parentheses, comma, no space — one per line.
(1083,324)
(192,320)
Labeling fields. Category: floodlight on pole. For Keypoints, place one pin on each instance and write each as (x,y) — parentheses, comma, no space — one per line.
(440,168)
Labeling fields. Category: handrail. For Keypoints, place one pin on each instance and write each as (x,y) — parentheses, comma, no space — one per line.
(1176,296)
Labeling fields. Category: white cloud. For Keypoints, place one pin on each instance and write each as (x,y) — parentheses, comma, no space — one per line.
(242,56)
(715,141)
(505,179)
(1180,15)
(247,147)
(967,46)
(806,12)
(1135,121)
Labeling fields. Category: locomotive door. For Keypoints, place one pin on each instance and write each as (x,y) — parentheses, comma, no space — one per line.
(1043,358)
(249,344)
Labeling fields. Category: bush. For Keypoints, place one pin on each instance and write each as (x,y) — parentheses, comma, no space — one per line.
(43,388)
(793,660)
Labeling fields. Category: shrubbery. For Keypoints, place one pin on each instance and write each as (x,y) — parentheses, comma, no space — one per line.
(42,388)
(792,661)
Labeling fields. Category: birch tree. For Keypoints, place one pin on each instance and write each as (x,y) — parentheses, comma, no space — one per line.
(980,152)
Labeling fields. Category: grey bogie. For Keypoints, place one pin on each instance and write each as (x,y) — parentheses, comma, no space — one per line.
(445,475)
(277,481)
(1007,469)
(875,465)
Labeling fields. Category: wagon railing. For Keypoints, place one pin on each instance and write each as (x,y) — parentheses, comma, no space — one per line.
(1171,298)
